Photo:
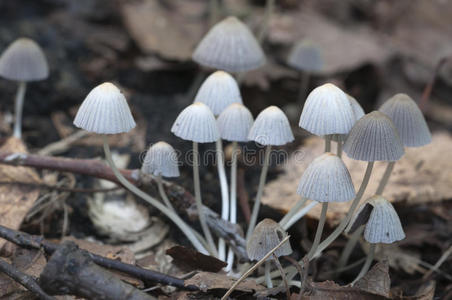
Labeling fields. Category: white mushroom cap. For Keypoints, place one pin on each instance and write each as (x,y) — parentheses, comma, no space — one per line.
(408,119)
(373,138)
(384,224)
(23,60)
(327,110)
(105,111)
(235,123)
(266,236)
(196,123)
(229,46)
(271,127)
(326,179)
(161,159)
(306,56)
(218,91)
(357,109)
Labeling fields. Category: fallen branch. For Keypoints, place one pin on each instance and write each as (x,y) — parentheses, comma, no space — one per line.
(26,240)
(24,279)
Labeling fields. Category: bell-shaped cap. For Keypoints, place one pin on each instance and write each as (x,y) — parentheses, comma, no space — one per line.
(271,127)
(235,123)
(229,46)
(326,179)
(408,119)
(266,236)
(326,111)
(23,60)
(384,224)
(306,56)
(105,111)
(196,123)
(161,159)
(373,138)
(218,91)
(356,107)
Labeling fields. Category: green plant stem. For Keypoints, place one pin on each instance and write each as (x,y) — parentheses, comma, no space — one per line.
(340,228)
(384,180)
(304,84)
(233,198)
(327,143)
(283,275)
(163,194)
(268,279)
(260,190)
(251,270)
(224,195)
(348,249)
(199,205)
(293,211)
(187,230)
(318,234)
(366,266)
(18,109)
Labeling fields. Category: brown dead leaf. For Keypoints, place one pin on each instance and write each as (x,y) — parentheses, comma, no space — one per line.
(16,200)
(422,175)
(188,260)
(425,292)
(377,280)
(206,281)
(329,290)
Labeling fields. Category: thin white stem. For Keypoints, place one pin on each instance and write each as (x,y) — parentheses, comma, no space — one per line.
(198,200)
(292,211)
(339,148)
(318,234)
(366,266)
(268,279)
(163,194)
(269,7)
(339,229)
(384,180)
(283,275)
(18,109)
(327,143)
(233,199)
(187,230)
(348,249)
(300,214)
(224,195)
(304,84)
(260,190)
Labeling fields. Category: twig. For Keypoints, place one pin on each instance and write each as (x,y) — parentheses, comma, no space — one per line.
(61,188)
(24,279)
(36,242)
(303,271)
(429,87)
(63,144)
(440,261)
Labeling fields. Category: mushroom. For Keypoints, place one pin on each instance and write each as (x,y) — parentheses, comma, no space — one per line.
(22,61)
(105,111)
(266,236)
(270,128)
(411,125)
(373,138)
(229,46)
(161,160)
(305,57)
(234,124)
(197,123)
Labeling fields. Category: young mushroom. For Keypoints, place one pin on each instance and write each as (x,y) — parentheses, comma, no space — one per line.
(105,111)
(271,128)
(22,61)
(266,236)
(197,123)
(229,46)
(161,160)
(234,124)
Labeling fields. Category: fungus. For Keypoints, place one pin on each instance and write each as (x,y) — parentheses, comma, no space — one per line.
(22,61)
(271,128)
(197,123)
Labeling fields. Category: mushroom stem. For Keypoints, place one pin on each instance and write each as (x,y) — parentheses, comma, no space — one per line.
(351,243)
(163,194)
(339,229)
(292,212)
(251,270)
(327,143)
(260,190)
(268,279)
(269,7)
(187,230)
(339,149)
(18,109)
(197,187)
(367,263)
(224,195)
(300,214)
(318,234)
(214,11)
(233,198)
(304,84)
(283,275)
(384,180)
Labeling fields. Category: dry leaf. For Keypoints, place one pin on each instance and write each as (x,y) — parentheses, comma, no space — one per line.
(16,200)
(330,290)
(188,260)
(377,280)
(206,281)
(425,292)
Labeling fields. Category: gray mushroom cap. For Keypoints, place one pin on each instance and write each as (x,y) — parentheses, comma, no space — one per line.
(266,236)
(23,60)
(408,119)
(271,127)
(306,56)
(161,159)
(235,123)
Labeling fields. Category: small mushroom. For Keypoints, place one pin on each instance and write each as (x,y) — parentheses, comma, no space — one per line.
(271,128)
(229,45)
(22,61)
(161,160)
